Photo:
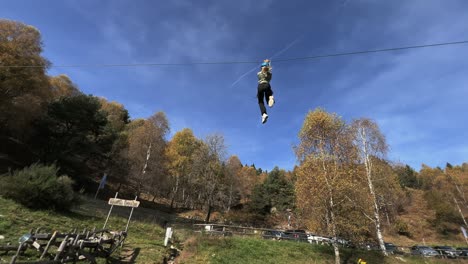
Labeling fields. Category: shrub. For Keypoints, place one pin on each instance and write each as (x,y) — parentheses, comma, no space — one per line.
(39,187)
(401,227)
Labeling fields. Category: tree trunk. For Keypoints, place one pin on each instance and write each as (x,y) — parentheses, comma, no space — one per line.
(460,211)
(330,210)
(334,233)
(376,214)
(386,214)
(174,193)
(230,199)
(368,164)
(187,201)
(143,172)
(208,214)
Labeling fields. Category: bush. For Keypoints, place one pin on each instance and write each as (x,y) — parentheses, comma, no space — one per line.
(447,220)
(401,227)
(39,187)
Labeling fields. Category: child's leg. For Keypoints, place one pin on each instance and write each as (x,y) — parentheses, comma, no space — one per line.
(261,93)
(269,96)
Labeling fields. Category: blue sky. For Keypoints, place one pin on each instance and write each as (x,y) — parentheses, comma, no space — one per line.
(417,97)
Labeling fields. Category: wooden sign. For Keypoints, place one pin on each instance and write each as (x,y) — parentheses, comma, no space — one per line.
(122,202)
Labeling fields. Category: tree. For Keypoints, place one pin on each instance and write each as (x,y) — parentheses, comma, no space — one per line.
(325,152)
(370,144)
(118,165)
(117,115)
(390,195)
(276,192)
(146,146)
(457,177)
(427,176)
(62,86)
(23,90)
(209,171)
(440,195)
(248,179)
(451,186)
(180,155)
(73,132)
(407,176)
(233,170)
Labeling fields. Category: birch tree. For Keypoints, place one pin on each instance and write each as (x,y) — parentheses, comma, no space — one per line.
(452,183)
(370,144)
(324,153)
(146,145)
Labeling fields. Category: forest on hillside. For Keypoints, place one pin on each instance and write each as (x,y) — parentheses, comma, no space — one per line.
(343,185)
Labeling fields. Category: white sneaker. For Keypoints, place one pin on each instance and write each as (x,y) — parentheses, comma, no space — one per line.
(271,101)
(264,118)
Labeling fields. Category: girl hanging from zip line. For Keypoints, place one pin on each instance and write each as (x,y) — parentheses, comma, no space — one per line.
(264,91)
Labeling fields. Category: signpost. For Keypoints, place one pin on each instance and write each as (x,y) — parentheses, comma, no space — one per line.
(168,236)
(121,202)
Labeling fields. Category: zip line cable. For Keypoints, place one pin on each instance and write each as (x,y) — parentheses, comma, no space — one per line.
(373,51)
(241,62)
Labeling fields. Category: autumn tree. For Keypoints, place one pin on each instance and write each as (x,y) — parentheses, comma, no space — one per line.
(447,197)
(23,90)
(209,172)
(427,175)
(457,179)
(390,196)
(370,144)
(62,86)
(118,161)
(180,155)
(324,153)
(117,115)
(233,181)
(248,179)
(146,146)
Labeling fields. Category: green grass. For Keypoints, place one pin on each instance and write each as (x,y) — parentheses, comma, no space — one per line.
(205,249)
(255,250)
(143,238)
(146,241)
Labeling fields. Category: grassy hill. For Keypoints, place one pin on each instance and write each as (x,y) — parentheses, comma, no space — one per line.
(144,243)
(237,250)
(145,240)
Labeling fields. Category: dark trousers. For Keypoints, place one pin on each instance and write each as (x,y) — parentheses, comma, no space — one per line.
(263,91)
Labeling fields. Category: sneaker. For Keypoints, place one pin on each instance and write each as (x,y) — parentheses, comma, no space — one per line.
(271,101)
(264,118)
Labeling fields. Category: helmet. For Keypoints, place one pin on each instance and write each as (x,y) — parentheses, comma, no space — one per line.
(265,64)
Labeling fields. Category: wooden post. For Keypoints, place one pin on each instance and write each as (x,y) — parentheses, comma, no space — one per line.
(131,212)
(110,210)
(464,234)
